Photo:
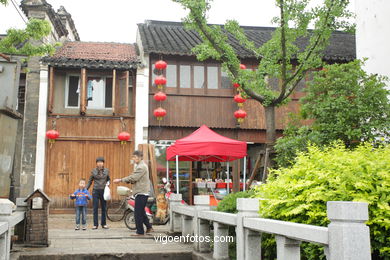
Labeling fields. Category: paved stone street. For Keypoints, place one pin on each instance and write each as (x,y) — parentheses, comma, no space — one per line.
(118,242)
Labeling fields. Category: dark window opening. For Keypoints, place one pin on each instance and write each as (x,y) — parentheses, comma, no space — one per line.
(73,91)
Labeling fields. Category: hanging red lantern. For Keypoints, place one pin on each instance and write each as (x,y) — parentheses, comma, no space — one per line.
(240,115)
(160,65)
(124,137)
(242,66)
(236,85)
(52,135)
(239,100)
(160,81)
(160,96)
(159,113)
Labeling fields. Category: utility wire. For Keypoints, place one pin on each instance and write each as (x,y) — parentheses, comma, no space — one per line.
(21,15)
(17,9)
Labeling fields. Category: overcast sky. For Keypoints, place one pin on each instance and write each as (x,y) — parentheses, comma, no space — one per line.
(116,20)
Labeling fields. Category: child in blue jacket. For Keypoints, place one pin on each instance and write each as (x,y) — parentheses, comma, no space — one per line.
(82,196)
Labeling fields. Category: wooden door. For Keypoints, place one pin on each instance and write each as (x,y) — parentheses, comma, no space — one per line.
(69,161)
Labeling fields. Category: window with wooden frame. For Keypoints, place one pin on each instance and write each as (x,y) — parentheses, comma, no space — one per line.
(72,91)
(99,92)
(194,78)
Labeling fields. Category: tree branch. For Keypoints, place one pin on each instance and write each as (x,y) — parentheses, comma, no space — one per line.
(317,41)
(284,61)
(203,28)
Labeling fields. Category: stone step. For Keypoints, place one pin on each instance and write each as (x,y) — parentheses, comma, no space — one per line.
(109,256)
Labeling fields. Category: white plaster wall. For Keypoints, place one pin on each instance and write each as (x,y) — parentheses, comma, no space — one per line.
(41,130)
(142,98)
(142,107)
(373,35)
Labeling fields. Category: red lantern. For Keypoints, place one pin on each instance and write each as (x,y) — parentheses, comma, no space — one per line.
(124,137)
(240,115)
(159,113)
(160,65)
(52,135)
(160,81)
(242,66)
(160,96)
(240,100)
(236,85)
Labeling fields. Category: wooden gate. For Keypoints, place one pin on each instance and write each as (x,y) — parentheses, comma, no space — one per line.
(73,156)
(69,161)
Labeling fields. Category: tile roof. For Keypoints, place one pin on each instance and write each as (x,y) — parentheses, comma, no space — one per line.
(171,38)
(95,55)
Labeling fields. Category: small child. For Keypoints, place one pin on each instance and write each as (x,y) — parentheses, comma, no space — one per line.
(82,196)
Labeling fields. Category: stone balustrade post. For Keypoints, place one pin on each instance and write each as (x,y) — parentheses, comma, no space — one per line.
(288,249)
(186,225)
(6,208)
(174,219)
(349,237)
(221,242)
(248,244)
(201,202)
(204,235)
(4,253)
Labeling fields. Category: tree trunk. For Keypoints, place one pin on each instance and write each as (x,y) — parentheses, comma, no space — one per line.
(270,126)
(270,140)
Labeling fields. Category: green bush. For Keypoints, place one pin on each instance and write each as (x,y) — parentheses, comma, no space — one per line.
(294,140)
(229,202)
(334,173)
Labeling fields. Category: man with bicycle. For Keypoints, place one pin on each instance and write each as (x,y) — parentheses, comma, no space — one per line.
(141,191)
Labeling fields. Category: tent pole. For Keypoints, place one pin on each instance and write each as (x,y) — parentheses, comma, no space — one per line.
(177,174)
(167,171)
(244,173)
(227,177)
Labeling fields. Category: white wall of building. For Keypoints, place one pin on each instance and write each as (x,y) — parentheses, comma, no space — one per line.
(373,35)
(41,130)
(142,98)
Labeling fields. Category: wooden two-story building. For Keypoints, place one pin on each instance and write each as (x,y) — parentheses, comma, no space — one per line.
(201,93)
(91,99)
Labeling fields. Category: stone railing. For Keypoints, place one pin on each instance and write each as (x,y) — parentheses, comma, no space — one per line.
(346,237)
(8,220)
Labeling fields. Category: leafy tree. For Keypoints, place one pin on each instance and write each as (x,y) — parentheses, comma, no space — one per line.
(346,104)
(21,41)
(334,173)
(26,41)
(279,58)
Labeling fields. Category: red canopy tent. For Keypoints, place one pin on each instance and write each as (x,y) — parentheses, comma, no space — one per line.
(206,145)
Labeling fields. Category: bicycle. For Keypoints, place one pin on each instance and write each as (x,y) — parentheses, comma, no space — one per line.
(116,209)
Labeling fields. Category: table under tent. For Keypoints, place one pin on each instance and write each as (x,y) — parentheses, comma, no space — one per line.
(205,145)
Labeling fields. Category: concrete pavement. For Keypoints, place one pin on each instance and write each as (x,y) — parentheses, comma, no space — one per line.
(118,242)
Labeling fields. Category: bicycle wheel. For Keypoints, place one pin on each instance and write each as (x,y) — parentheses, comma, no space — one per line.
(116,210)
(130,220)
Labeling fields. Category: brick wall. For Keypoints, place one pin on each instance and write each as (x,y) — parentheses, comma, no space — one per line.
(37,223)
(28,155)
